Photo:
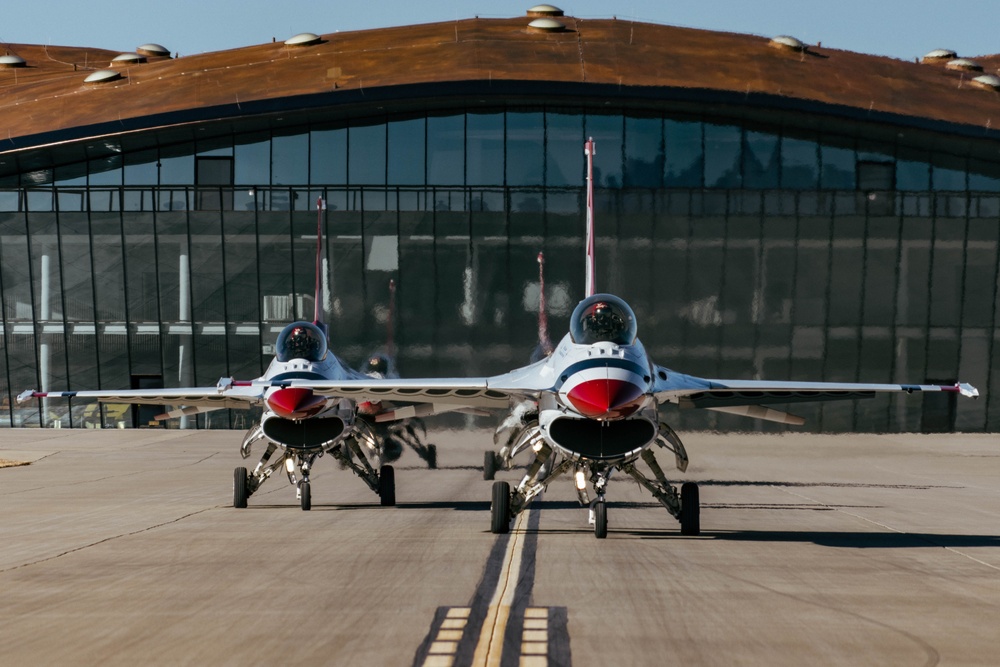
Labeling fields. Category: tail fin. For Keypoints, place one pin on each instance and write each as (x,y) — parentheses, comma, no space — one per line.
(589,150)
(320,207)
(390,344)
(543,319)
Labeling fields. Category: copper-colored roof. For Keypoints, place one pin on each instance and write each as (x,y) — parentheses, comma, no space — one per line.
(50,95)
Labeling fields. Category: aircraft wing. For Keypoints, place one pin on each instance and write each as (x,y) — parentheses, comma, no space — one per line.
(749,397)
(223,395)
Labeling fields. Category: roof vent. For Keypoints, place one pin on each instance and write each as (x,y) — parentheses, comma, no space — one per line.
(546,25)
(545,10)
(303,39)
(787,42)
(964,64)
(12,61)
(103,76)
(128,59)
(987,82)
(940,54)
(153,50)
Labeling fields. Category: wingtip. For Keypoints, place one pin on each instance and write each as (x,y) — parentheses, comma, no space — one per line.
(966,389)
(26,395)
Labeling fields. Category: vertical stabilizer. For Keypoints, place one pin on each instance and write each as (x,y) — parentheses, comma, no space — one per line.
(590,284)
(320,207)
(543,319)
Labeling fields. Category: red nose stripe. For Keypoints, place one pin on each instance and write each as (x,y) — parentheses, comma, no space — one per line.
(605,398)
(295,403)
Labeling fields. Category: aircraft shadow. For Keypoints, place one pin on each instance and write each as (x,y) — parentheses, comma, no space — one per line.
(850,540)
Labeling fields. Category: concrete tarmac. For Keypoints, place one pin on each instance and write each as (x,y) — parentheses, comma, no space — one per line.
(123,548)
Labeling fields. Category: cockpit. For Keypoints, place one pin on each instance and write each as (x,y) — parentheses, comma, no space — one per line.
(603,318)
(301,340)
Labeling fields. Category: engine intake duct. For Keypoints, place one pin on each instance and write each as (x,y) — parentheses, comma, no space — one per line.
(305,434)
(602,440)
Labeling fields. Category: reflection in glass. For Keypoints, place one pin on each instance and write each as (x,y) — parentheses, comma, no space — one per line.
(252,162)
(838,165)
(643,152)
(799,164)
(525,148)
(563,149)
(446,150)
(328,157)
(290,159)
(760,160)
(722,156)
(606,132)
(912,175)
(407,152)
(366,155)
(684,155)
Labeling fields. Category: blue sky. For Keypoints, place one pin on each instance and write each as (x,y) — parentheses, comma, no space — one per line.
(898,28)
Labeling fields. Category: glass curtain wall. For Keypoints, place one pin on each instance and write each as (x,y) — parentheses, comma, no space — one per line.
(746,252)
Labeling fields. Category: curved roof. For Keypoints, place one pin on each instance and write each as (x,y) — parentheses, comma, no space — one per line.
(48,101)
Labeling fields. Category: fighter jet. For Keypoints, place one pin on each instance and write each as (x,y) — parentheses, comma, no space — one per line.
(592,406)
(297,424)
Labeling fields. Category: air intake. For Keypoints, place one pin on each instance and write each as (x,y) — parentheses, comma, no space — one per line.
(786,42)
(103,76)
(303,39)
(12,61)
(964,64)
(546,25)
(545,10)
(154,50)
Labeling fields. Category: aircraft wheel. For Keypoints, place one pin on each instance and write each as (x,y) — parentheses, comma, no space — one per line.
(500,508)
(432,456)
(387,486)
(690,509)
(241,488)
(600,519)
(489,464)
(305,496)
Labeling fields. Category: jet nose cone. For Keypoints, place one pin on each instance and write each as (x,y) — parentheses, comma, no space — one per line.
(295,403)
(606,398)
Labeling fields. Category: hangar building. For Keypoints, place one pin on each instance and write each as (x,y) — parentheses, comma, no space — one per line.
(770,209)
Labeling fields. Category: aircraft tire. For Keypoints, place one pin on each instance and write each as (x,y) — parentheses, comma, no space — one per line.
(241,488)
(500,508)
(432,456)
(600,519)
(305,496)
(489,464)
(690,509)
(387,486)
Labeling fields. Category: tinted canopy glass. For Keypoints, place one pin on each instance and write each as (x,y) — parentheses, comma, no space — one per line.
(301,340)
(603,318)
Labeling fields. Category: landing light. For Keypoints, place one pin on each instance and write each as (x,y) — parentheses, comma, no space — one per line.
(537,447)
(290,465)
(581,480)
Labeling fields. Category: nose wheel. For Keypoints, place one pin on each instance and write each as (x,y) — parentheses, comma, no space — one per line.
(500,509)
(600,519)
(241,488)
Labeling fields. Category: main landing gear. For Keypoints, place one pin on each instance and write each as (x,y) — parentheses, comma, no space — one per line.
(683,504)
(360,452)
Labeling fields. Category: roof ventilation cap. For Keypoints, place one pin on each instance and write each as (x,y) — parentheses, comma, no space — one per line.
(545,10)
(787,42)
(303,39)
(987,82)
(940,54)
(128,58)
(546,25)
(103,76)
(153,50)
(964,64)
(12,61)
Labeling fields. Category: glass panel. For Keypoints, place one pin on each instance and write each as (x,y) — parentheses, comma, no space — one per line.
(366,155)
(722,156)
(760,160)
(949,175)
(407,152)
(684,157)
(838,166)
(606,132)
(290,159)
(984,176)
(484,149)
(564,149)
(252,162)
(446,150)
(643,152)
(799,164)
(177,170)
(328,157)
(525,149)
(142,168)
(107,171)
(914,176)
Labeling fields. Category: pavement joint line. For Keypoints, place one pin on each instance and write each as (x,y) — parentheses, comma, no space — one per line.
(489,649)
